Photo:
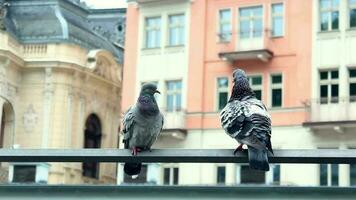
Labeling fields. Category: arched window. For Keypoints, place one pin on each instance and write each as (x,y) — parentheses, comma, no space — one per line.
(92,139)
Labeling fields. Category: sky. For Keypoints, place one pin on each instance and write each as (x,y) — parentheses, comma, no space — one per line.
(106,3)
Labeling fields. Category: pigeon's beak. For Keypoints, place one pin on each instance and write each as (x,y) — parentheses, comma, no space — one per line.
(157,92)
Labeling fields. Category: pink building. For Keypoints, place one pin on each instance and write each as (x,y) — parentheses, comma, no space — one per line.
(190,48)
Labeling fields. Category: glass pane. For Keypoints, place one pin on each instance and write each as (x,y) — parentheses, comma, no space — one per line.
(353,174)
(276,174)
(336,4)
(179,85)
(257,11)
(173,40)
(244,29)
(323,174)
(244,12)
(257,28)
(323,75)
(258,94)
(334,74)
(276,97)
(353,73)
(221,175)
(277,8)
(251,176)
(181,33)
(323,91)
(166,175)
(335,20)
(24,174)
(178,102)
(257,80)
(157,38)
(324,21)
(334,174)
(225,15)
(277,26)
(170,103)
(223,82)
(352,2)
(222,99)
(334,90)
(353,18)
(170,85)
(325,4)
(276,79)
(175,176)
(353,89)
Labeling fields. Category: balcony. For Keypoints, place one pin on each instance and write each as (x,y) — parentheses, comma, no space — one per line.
(174,124)
(332,113)
(43,191)
(248,49)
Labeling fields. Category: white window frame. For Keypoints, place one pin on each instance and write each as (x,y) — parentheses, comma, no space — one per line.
(351,80)
(218,90)
(220,22)
(328,82)
(179,25)
(329,10)
(250,19)
(276,86)
(171,168)
(256,87)
(155,28)
(350,7)
(174,93)
(273,15)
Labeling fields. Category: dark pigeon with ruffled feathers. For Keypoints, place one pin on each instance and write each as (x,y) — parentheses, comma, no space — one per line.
(142,124)
(246,119)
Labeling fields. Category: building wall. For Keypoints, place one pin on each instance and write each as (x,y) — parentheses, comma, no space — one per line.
(52,89)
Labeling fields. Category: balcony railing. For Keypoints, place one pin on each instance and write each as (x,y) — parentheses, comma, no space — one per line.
(335,109)
(18,191)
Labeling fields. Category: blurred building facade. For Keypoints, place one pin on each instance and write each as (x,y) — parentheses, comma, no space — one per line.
(60,84)
(298,55)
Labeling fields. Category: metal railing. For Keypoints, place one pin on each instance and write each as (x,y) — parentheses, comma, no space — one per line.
(300,156)
(18,191)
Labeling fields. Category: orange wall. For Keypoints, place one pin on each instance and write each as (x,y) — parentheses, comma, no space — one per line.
(130,60)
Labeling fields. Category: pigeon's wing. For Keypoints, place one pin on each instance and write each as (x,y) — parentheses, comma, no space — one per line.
(234,120)
(260,135)
(128,123)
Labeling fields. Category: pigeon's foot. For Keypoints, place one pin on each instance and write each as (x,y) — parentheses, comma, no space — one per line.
(135,151)
(239,148)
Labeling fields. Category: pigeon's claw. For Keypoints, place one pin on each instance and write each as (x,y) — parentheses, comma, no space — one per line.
(239,148)
(135,151)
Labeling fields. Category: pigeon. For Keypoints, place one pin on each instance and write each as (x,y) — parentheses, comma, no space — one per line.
(142,124)
(245,118)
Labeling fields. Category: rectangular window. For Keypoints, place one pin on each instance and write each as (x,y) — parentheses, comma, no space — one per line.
(352,15)
(277,19)
(329,174)
(276,174)
(174,96)
(170,175)
(329,86)
(352,174)
(329,15)
(225,25)
(276,90)
(352,85)
(222,92)
(249,176)
(256,85)
(24,174)
(221,175)
(251,22)
(176,30)
(153,32)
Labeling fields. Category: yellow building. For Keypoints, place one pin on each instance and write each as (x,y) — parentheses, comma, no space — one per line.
(60,86)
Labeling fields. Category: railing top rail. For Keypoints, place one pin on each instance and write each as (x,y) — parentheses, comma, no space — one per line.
(315,156)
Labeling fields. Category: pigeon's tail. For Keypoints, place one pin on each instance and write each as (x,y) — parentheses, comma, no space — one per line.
(132,169)
(258,159)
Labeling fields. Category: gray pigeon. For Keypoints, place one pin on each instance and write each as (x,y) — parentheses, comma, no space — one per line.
(142,124)
(245,119)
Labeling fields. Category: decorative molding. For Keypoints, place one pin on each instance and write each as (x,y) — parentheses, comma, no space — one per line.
(30,119)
